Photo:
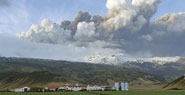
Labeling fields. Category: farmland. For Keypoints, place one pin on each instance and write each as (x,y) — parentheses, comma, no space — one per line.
(100,93)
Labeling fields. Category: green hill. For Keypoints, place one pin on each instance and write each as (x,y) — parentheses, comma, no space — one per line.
(34,79)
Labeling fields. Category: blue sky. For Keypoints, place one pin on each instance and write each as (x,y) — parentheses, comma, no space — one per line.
(19,15)
(170,6)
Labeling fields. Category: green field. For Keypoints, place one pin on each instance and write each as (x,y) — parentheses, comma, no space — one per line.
(100,93)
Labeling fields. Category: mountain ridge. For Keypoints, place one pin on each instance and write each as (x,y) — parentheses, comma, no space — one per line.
(116,59)
(78,72)
(89,73)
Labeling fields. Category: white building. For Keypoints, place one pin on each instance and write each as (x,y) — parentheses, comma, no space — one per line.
(122,86)
(107,88)
(52,88)
(117,86)
(126,86)
(22,89)
(94,88)
(75,88)
(61,88)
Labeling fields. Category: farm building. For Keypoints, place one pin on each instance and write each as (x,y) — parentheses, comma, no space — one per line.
(52,88)
(107,88)
(117,87)
(61,88)
(68,87)
(22,89)
(94,88)
(75,88)
(121,86)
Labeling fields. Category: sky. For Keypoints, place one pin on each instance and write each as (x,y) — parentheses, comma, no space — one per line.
(32,28)
(19,15)
(170,6)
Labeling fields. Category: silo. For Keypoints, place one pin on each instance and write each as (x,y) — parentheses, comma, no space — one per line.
(117,86)
(126,86)
(122,86)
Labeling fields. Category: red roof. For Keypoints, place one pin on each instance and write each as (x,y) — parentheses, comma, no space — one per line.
(83,86)
(72,86)
(53,87)
(76,86)
(22,87)
(93,85)
(98,85)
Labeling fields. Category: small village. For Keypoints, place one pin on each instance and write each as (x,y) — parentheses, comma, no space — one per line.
(68,87)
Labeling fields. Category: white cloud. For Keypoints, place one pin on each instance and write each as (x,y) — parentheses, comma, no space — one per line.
(147,37)
(46,32)
(85,30)
(178,25)
(167,19)
(13,47)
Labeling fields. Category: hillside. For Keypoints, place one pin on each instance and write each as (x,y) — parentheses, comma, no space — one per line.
(178,84)
(32,72)
(170,68)
(169,71)
(34,79)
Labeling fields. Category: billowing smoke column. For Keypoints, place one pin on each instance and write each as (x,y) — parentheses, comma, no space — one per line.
(127,27)
(47,32)
(82,29)
(123,14)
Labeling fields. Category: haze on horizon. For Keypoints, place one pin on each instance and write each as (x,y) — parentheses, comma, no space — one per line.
(134,28)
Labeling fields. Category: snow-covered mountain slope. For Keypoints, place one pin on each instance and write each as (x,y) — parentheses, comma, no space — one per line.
(158,60)
(115,59)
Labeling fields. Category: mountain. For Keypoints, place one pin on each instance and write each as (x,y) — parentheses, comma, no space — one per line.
(169,68)
(116,59)
(169,71)
(34,72)
(178,84)
(25,71)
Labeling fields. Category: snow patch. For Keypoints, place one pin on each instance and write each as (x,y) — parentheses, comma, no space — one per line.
(116,59)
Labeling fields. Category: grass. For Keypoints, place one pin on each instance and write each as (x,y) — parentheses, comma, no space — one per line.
(47,93)
(144,93)
(101,93)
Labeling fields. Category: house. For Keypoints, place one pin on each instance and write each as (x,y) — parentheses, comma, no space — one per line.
(75,88)
(83,87)
(22,89)
(107,88)
(94,88)
(61,88)
(52,88)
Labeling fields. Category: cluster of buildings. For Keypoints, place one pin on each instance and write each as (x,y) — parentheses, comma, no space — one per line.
(117,87)
(74,88)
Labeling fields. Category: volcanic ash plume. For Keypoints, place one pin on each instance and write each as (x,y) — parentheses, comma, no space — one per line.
(127,27)
(82,29)
(46,32)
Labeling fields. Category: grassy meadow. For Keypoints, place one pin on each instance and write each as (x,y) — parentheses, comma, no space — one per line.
(100,93)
